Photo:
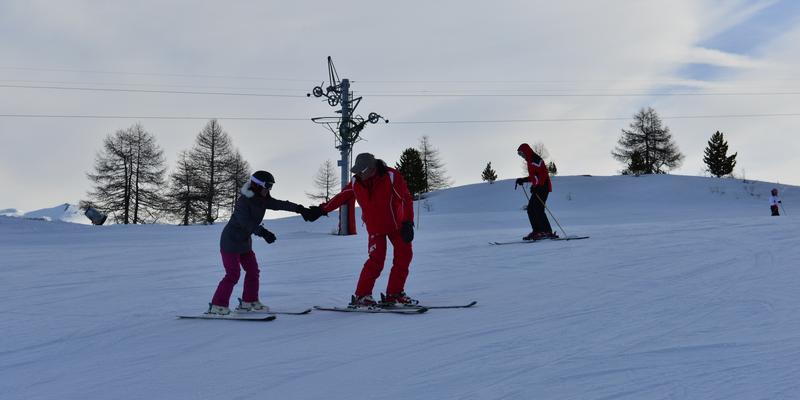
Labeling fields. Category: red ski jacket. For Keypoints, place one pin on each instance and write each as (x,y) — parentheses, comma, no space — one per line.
(537,170)
(384,199)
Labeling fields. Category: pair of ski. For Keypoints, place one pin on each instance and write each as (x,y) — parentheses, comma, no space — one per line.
(418,309)
(262,316)
(570,237)
(271,315)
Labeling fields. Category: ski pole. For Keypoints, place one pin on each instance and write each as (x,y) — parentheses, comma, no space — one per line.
(782,209)
(545,207)
(551,214)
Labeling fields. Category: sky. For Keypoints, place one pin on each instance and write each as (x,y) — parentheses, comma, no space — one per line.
(477,78)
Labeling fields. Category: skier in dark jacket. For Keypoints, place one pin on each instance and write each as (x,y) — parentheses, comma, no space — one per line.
(541,186)
(236,246)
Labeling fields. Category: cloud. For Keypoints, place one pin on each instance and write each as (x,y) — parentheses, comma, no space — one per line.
(416,47)
(699,55)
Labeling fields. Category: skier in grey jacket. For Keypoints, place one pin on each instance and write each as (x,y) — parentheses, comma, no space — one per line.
(236,245)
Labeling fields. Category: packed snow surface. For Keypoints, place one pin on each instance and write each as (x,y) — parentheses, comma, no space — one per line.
(687,289)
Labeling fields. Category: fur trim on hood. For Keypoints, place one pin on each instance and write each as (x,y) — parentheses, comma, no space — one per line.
(245,190)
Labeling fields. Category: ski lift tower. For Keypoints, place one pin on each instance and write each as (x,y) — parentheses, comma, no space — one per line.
(346,129)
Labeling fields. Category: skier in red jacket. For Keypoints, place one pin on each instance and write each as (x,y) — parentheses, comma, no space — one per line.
(387,210)
(539,178)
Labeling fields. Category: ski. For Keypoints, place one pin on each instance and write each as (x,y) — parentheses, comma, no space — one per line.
(468,305)
(375,310)
(277,312)
(242,311)
(541,240)
(231,317)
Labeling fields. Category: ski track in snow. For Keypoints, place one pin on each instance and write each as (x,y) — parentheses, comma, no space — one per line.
(681,292)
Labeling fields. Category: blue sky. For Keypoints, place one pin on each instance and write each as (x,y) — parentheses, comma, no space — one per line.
(745,37)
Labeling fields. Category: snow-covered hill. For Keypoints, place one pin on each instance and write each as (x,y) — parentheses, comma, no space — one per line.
(63,212)
(687,289)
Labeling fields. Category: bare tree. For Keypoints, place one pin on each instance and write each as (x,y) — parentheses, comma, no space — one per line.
(540,149)
(128,176)
(325,183)
(435,175)
(647,147)
(184,200)
(211,156)
(238,173)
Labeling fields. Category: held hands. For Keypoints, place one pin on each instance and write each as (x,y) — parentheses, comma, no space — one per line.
(268,236)
(407,231)
(313,213)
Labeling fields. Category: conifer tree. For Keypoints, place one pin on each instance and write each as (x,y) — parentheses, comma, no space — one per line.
(184,200)
(551,168)
(128,176)
(434,174)
(325,183)
(651,140)
(412,168)
(211,157)
(489,175)
(716,156)
(236,174)
(637,165)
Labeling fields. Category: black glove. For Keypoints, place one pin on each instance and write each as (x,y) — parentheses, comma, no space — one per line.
(313,213)
(519,182)
(301,210)
(407,231)
(268,236)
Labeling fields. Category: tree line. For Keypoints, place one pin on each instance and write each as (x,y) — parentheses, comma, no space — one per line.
(647,147)
(421,167)
(130,184)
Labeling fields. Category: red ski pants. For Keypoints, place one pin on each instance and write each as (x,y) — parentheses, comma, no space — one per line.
(374,265)
(231,262)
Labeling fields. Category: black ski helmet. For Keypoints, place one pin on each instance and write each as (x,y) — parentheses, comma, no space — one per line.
(263,179)
(774,191)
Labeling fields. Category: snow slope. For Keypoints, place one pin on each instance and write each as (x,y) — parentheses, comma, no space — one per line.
(686,290)
(63,212)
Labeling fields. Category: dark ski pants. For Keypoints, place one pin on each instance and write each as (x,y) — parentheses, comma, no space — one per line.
(536,210)
(231,262)
(774,210)
(374,265)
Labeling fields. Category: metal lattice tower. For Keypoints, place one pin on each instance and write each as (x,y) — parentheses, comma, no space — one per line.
(346,128)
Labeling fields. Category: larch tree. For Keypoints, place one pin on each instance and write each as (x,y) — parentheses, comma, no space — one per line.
(325,183)
(649,140)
